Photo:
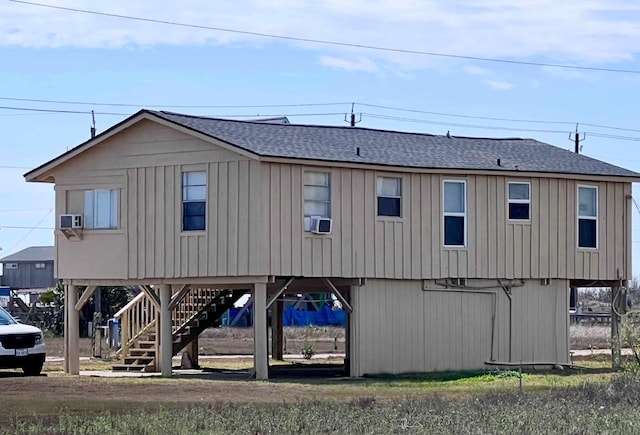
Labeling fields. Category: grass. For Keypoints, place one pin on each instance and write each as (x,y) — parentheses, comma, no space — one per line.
(588,407)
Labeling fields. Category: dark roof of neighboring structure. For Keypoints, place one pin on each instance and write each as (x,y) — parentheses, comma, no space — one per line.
(31,254)
(392,148)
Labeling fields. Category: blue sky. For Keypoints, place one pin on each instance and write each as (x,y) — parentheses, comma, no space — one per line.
(61,55)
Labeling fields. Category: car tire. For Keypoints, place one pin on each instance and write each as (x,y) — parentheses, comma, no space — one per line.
(32,368)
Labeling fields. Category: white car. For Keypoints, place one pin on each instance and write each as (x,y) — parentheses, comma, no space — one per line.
(21,346)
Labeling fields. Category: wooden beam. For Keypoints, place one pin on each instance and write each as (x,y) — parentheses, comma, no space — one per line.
(73,330)
(166,342)
(337,293)
(179,296)
(260,342)
(277,294)
(228,282)
(89,291)
(151,294)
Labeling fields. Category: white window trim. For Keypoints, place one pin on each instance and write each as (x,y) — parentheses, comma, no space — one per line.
(40,265)
(518,201)
(458,214)
(113,214)
(378,195)
(10,266)
(328,202)
(579,216)
(184,200)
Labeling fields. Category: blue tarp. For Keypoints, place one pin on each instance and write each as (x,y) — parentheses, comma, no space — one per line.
(325,317)
(292,317)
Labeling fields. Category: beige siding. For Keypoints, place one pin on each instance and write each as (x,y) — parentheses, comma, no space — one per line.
(410,247)
(145,163)
(255,222)
(399,327)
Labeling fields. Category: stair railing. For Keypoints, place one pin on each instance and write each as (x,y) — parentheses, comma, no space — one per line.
(136,318)
(191,305)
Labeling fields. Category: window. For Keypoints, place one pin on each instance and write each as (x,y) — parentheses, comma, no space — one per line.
(9,266)
(389,196)
(587,217)
(194,201)
(317,194)
(519,201)
(455,212)
(40,266)
(101,208)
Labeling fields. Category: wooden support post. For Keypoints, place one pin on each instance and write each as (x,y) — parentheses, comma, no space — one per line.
(65,366)
(260,345)
(279,333)
(192,353)
(166,332)
(616,355)
(73,340)
(350,330)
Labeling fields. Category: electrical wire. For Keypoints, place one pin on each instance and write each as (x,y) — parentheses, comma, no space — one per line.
(31,230)
(334,43)
(30,109)
(451,124)
(86,103)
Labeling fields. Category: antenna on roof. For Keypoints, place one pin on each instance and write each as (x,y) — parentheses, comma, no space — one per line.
(576,139)
(93,125)
(352,121)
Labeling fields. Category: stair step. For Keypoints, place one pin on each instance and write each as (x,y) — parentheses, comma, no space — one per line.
(144,344)
(128,360)
(127,367)
(138,351)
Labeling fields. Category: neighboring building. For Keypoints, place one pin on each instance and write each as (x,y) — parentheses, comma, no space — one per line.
(31,268)
(451,252)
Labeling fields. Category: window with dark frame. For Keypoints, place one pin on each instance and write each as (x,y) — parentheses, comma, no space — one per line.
(317,194)
(194,201)
(519,201)
(454,212)
(587,217)
(389,196)
(40,265)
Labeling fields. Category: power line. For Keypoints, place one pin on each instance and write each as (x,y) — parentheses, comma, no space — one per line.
(22,210)
(14,167)
(86,103)
(465,116)
(31,230)
(252,106)
(335,43)
(451,124)
(76,112)
(9,227)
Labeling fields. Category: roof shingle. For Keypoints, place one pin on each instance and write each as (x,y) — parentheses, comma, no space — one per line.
(391,148)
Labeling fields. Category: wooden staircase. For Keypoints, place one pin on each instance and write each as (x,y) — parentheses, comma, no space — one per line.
(198,310)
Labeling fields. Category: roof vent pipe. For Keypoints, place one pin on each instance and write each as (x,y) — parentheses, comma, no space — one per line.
(358,151)
(499,162)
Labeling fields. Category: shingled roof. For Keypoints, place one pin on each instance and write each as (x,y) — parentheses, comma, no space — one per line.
(355,145)
(31,254)
(392,148)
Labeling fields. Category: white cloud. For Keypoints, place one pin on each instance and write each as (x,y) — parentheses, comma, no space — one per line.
(349,65)
(477,71)
(572,31)
(500,84)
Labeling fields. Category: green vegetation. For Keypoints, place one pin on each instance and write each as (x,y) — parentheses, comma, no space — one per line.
(608,407)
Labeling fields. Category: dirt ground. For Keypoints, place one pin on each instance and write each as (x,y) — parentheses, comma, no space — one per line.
(233,341)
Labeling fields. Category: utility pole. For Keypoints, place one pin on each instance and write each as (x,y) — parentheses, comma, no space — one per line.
(93,125)
(352,119)
(576,139)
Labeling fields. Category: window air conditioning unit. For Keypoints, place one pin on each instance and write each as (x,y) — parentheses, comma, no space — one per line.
(321,225)
(70,221)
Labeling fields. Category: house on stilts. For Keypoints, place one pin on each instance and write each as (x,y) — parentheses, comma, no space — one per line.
(449,253)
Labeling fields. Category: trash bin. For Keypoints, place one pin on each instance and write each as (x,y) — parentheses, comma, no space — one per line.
(113,333)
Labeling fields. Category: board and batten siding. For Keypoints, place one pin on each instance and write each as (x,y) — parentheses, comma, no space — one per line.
(410,247)
(145,162)
(432,328)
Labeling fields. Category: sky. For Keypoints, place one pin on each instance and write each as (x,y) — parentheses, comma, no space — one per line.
(408,65)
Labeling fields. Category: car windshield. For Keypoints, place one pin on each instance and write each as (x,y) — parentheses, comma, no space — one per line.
(5,318)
